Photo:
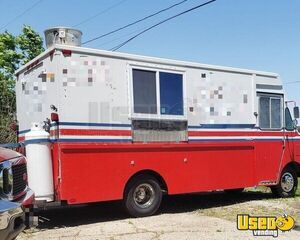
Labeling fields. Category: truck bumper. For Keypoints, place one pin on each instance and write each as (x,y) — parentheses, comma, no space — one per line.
(12,218)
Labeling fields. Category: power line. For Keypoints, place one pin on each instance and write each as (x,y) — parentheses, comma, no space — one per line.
(100,13)
(161,22)
(135,22)
(21,14)
(291,82)
(120,37)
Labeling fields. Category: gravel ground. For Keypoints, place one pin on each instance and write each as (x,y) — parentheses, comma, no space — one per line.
(199,216)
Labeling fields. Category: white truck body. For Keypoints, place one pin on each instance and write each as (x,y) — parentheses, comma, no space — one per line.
(95,86)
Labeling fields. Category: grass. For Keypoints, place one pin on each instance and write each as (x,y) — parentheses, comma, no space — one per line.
(262,206)
(298,189)
(273,207)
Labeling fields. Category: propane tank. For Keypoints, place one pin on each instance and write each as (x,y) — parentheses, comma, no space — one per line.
(39,163)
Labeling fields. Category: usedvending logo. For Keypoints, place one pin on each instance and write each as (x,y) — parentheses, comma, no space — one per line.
(265,226)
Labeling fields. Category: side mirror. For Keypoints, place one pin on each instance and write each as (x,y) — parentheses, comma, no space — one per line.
(296,112)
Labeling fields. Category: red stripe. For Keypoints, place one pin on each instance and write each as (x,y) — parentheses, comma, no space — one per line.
(53,133)
(21,139)
(99,132)
(234,134)
(95,132)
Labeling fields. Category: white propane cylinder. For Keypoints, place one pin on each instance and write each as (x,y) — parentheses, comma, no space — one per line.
(39,163)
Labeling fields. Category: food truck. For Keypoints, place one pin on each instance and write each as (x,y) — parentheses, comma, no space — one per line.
(101,126)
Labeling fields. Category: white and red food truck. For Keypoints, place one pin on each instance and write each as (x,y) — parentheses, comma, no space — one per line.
(121,126)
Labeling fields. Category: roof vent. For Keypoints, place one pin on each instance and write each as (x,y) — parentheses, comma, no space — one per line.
(63,36)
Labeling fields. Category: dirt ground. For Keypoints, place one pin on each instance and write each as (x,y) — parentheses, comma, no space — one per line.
(198,216)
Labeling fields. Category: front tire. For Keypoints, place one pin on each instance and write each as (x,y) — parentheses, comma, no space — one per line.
(143,196)
(287,185)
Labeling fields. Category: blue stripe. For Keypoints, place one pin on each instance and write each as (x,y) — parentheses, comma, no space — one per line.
(222,126)
(81,124)
(40,140)
(45,140)
(54,124)
(269,140)
(202,126)
(24,131)
(26,142)
(11,145)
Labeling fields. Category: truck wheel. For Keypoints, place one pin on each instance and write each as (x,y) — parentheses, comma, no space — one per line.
(287,185)
(143,196)
(234,191)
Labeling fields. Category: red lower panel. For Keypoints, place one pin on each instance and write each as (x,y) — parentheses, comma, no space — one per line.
(99,172)
(297,152)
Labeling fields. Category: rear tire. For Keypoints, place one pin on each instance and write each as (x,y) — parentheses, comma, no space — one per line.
(143,196)
(287,185)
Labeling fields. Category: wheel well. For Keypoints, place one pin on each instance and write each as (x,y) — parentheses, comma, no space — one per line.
(295,166)
(152,173)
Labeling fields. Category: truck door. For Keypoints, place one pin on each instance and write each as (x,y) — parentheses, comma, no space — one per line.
(271,139)
(293,147)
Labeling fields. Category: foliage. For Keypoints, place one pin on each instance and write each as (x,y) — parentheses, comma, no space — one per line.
(14,52)
(9,60)
(6,134)
(30,43)
(9,57)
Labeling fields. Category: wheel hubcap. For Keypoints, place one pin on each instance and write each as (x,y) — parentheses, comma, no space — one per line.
(287,182)
(144,195)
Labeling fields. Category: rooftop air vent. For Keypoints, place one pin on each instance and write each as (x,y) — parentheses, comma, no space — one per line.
(63,36)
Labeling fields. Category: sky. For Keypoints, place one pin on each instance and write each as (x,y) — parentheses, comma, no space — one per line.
(253,34)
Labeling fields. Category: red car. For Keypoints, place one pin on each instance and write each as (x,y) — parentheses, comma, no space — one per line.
(13,178)
(14,193)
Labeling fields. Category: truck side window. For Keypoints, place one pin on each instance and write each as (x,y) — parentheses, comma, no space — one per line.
(270,112)
(264,112)
(276,113)
(289,124)
(157,93)
(144,91)
(171,95)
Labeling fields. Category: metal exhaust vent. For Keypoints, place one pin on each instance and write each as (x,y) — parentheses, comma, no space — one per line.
(63,36)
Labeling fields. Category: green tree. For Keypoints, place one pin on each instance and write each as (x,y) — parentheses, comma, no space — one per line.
(9,61)
(14,52)
(30,43)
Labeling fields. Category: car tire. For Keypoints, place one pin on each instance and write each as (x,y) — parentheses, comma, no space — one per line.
(287,185)
(143,196)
